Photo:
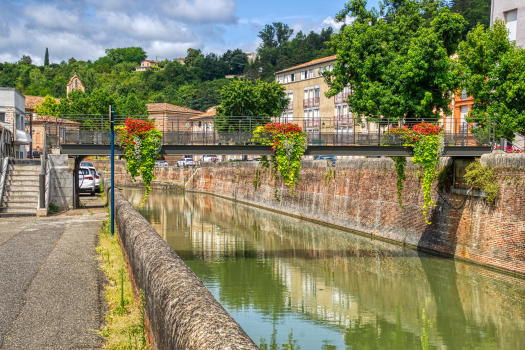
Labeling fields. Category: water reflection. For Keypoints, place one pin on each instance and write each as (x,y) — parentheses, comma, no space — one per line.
(335,290)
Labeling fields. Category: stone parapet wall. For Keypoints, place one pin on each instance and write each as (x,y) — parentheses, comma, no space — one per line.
(61,181)
(182,313)
(361,195)
(168,178)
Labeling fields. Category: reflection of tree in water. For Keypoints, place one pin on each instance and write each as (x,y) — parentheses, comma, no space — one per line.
(291,343)
(401,300)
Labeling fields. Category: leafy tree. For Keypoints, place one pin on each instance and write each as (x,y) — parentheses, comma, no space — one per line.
(46,58)
(493,73)
(474,11)
(27,59)
(99,101)
(191,57)
(126,54)
(244,98)
(397,65)
(49,107)
(76,104)
(130,105)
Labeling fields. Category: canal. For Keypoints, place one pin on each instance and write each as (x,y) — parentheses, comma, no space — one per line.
(292,284)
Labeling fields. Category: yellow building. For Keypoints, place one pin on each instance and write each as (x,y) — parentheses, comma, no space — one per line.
(328,120)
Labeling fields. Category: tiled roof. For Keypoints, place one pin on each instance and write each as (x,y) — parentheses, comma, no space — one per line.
(319,60)
(168,107)
(210,112)
(32,101)
(47,118)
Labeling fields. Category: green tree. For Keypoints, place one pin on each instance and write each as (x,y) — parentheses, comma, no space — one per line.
(493,73)
(27,59)
(130,105)
(76,105)
(244,98)
(46,58)
(397,65)
(191,57)
(99,101)
(474,11)
(49,107)
(126,54)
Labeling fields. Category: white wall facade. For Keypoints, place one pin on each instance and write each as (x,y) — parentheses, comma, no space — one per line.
(514,12)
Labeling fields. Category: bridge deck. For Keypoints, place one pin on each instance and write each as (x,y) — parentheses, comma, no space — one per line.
(105,150)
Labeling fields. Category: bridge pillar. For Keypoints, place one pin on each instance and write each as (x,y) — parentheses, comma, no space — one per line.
(76,187)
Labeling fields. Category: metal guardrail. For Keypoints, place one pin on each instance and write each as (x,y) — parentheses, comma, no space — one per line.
(333,131)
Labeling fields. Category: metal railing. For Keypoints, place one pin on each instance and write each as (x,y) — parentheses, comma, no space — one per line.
(338,130)
(311,102)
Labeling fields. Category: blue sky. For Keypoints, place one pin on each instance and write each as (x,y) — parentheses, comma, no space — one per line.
(164,28)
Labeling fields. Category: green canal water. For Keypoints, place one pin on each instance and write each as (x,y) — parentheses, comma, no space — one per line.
(292,284)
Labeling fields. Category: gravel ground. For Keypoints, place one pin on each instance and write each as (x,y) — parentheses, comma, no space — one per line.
(50,284)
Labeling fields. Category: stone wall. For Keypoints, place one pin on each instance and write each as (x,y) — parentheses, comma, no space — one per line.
(361,195)
(168,178)
(61,181)
(182,313)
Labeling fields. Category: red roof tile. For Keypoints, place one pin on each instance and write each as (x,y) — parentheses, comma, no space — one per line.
(319,60)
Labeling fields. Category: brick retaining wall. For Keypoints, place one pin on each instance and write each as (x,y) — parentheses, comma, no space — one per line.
(361,195)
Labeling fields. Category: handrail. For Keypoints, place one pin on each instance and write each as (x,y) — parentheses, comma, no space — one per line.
(42,177)
(3,174)
(2,144)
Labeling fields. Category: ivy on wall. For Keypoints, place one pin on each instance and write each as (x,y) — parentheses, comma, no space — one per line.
(288,142)
(142,142)
(428,143)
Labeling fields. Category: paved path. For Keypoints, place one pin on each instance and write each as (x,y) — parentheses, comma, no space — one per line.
(50,285)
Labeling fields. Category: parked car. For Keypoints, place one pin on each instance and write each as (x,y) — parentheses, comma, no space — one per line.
(86,181)
(36,154)
(256,159)
(208,158)
(184,162)
(161,163)
(97,178)
(332,158)
(86,164)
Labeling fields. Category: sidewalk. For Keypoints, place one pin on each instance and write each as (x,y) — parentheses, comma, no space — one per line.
(51,292)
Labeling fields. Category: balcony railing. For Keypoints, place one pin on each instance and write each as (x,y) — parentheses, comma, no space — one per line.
(343,119)
(311,102)
(341,97)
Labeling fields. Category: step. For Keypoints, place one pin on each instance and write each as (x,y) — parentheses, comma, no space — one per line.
(30,182)
(24,172)
(24,167)
(22,177)
(17,188)
(23,205)
(16,194)
(25,162)
(13,215)
(18,210)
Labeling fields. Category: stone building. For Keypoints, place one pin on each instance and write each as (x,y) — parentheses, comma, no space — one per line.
(311,109)
(12,118)
(52,125)
(75,84)
(513,11)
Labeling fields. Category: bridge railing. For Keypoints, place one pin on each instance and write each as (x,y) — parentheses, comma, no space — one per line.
(184,130)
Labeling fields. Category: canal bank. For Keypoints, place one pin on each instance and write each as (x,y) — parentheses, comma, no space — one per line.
(289,281)
(361,195)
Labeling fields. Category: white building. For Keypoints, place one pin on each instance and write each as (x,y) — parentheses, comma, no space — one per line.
(513,11)
(12,117)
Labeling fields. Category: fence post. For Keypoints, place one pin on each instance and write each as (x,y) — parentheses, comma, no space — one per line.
(112,128)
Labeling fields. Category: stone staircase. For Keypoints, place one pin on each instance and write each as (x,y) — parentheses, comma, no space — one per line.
(20,196)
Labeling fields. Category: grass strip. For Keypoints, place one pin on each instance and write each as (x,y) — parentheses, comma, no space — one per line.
(125,324)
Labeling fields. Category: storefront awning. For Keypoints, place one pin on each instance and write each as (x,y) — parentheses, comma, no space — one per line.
(22,138)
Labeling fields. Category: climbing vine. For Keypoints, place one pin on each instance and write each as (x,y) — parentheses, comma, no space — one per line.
(142,142)
(428,142)
(288,142)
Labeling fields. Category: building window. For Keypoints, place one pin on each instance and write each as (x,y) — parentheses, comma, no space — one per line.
(2,117)
(280,79)
(512,21)
(311,73)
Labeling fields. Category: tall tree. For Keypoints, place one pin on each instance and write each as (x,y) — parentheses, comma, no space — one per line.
(191,56)
(46,58)
(244,98)
(126,54)
(48,107)
(493,73)
(474,11)
(397,65)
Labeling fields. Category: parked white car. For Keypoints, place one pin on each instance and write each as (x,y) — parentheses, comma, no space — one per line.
(97,178)
(209,158)
(186,162)
(86,181)
(161,163)
(86,164)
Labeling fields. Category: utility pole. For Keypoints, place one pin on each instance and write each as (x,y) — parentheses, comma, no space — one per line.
(112,122)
